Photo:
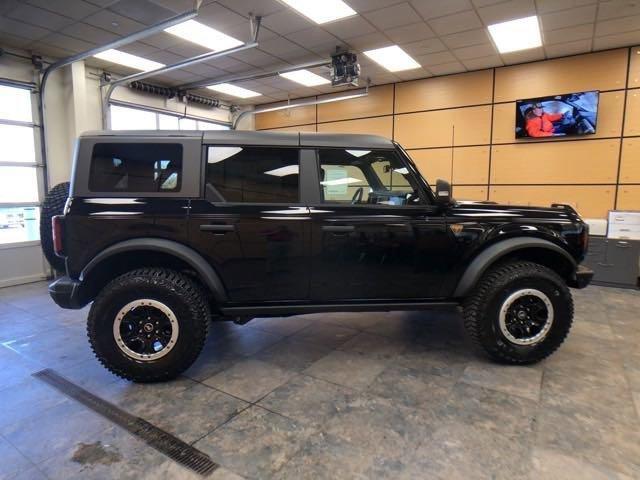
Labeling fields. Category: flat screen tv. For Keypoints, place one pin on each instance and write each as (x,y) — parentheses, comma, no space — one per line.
(557,116)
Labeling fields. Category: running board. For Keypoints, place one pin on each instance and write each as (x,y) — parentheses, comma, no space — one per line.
(301,309)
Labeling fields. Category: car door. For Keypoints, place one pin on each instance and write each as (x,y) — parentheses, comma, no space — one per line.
(374,235)
(251,224)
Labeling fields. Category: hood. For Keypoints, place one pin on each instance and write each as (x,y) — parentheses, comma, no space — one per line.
(489,210)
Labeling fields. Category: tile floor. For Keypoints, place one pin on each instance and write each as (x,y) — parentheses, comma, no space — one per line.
(385,395)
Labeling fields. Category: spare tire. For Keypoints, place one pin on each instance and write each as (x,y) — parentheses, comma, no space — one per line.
(53,205)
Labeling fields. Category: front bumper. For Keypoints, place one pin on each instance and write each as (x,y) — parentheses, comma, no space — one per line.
(581,278)
(65,292)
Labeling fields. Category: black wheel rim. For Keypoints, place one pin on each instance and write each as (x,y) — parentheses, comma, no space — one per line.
(145,329)
(526,317)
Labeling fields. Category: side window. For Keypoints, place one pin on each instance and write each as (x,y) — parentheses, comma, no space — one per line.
(365,177)
(136,167)
(253,174)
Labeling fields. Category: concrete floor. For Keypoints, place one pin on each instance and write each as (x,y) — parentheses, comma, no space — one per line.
(387,395)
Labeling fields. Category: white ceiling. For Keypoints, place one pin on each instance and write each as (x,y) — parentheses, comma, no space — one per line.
(444,36)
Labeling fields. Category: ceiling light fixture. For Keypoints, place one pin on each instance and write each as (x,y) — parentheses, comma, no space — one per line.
(392,58)
(207,37)
(234,90)
(515,35)
(128,60)
(322,11)
(305,77)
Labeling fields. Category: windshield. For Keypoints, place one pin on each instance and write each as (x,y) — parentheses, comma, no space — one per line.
(414,170)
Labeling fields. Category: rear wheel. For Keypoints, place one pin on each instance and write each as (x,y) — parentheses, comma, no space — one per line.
(53,205)
(520,312)
(149,324)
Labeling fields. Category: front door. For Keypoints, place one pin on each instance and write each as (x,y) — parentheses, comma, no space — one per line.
(374,235)
(252,225)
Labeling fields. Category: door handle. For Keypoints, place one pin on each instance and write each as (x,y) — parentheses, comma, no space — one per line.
(338,228)
(220,229)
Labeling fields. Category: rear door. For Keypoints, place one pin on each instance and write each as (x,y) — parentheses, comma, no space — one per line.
(251,224)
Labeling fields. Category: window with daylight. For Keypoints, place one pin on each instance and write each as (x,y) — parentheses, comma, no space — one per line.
(125,118)
(19,169)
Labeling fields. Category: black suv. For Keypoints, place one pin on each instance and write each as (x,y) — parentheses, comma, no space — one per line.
(164,231)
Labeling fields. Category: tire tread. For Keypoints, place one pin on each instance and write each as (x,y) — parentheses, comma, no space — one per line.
(191,294)
(475,305)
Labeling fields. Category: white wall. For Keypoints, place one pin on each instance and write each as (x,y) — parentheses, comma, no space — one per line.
(73,105)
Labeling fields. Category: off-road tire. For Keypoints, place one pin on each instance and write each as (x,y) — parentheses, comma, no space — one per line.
(53,205)
(180,293)
(481,311)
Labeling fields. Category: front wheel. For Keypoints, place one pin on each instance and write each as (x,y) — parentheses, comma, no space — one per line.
(520,312)
(149,324)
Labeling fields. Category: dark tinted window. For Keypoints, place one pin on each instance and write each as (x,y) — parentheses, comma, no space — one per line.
(253,174)
(136,167)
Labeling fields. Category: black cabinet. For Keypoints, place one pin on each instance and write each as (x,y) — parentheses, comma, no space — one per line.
(614,262)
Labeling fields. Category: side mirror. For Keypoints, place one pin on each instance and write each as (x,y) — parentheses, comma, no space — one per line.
(443,192)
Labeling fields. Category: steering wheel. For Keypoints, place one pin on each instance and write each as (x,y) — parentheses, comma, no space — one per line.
(357,197)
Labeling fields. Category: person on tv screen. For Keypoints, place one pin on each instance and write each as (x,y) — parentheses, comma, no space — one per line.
(538,123)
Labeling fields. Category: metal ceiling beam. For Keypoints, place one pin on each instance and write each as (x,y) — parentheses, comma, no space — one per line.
(253,76)
(305,103)
(168,68)
(183,17)
(254,26)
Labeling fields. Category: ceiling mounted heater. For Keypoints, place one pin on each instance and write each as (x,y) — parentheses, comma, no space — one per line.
(345,69)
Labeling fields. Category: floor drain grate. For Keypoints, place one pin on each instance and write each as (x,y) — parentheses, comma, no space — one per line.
(164,442)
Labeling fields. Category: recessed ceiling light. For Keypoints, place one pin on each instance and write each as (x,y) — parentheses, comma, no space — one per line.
(322,11)
(305,77)
(128,60)
(514,35)
(199,33)
(234,90)
(392,58)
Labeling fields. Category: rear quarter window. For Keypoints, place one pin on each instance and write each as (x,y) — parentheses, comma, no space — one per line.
(136,167)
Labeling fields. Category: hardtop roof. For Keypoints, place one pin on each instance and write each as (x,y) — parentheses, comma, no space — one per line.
(249,137)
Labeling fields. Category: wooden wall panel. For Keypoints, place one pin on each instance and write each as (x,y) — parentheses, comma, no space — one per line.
(471,165)
(578,171)
(295,128)
(504,120)
(590,201)
(435,128)
(632,118)
(473,88)
(374,126)
(630,163)
(610,110)
(556,163)
(433,163)
(462,192)
(629,197)
(596,71)
(634,68)
(285,118)
(378,102)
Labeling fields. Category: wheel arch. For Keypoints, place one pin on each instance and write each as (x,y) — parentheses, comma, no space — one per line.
(536,250)
(148,252)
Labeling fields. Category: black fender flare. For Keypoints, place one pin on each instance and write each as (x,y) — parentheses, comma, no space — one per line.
(487,257)
(208,275)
